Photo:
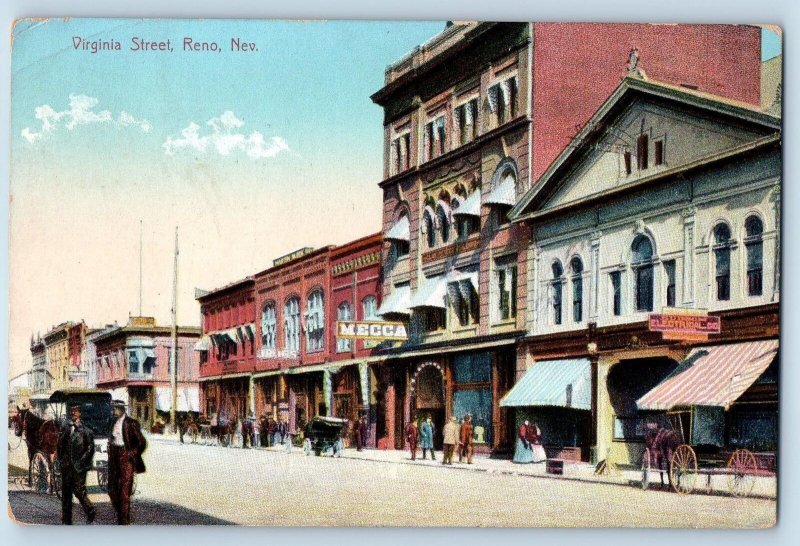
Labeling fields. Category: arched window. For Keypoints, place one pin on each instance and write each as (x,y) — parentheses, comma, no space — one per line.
(642,264)
(291,319)
(557,287)
(430,230)
(722,260)
(344,312)
(315,322)
(443,219)
(577,289)
(370,308)
(269,326)
(754,244)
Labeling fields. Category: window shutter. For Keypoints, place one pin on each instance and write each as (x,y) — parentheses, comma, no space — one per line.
(492,98)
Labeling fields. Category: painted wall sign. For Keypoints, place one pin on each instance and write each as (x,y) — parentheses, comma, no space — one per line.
(371,330)
(675,324)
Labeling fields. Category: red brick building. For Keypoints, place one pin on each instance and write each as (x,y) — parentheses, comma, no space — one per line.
(471,119)
(134,363)
(228,347)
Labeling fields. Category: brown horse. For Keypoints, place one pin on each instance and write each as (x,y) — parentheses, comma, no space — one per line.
(40,435)
(662,443)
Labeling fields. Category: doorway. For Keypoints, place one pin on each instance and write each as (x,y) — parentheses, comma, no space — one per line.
(429,398)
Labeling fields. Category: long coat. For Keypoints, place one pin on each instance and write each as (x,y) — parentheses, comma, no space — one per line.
(426,435)
(75,447)
(450,432)
(134,441)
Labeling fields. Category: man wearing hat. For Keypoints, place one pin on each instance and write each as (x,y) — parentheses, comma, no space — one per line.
(465,440)
(450,432)
(125,447)
(75,451)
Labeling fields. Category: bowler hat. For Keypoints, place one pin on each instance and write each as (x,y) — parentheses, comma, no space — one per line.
(119,404)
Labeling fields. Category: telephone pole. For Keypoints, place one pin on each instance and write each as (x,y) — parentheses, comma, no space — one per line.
(173,376)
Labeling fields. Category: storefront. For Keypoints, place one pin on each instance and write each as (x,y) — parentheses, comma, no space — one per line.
(228,395)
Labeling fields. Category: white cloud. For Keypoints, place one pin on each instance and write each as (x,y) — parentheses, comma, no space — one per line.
(225,138)
(81,112)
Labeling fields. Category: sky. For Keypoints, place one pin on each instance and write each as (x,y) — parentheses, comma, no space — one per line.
(251,154)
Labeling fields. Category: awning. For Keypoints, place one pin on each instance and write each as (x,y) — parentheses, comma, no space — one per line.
(233,335)
(505,193)
(148,352)
(397,302)
(712,376)
(188,398)
(400,231)
(471,206)
(464,276)
(431,293)
(202,344)
(560,383)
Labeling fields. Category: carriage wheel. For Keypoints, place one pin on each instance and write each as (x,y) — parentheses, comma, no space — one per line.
(742,466)
(683,469)
(40,474)
(102,478)
(307,447)
(646,469)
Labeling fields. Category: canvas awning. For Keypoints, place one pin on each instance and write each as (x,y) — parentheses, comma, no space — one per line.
(188,398)
(559,383)
(471,206)
(716,375)
(465,277)
(397,302)
(148,352)
(505,193)
(431,293)
(400,231)
(202,344)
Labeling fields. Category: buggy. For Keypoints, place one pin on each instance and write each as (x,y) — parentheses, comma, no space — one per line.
(323,434)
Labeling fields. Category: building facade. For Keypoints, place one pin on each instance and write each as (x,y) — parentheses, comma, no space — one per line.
(41,379)
(63,345)
(668,199)
(471,120)
(134,363)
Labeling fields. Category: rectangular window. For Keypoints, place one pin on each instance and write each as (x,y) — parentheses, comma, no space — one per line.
(658,155)
(464,302)
(642,145)
(466,225)
(400,248)
(755,268)
(466,119)
(669,273)
(626,156)
(644,288)
(441,136)
(577,298)
(433,318)
(616,292)
(723,273)
(506,287)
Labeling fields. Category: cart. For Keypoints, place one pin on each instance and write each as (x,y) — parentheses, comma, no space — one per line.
(323,434)
(689,444)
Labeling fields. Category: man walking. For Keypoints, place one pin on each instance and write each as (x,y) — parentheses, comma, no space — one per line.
(125,447)
(426,437)
(75,452)
(450,433)
(361,433)
(411,439)
(465,440)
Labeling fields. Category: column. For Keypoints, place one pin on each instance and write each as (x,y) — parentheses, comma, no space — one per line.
(533,289)
(603,420)
(594,285)
(251,395)
(775,197)
(689,215)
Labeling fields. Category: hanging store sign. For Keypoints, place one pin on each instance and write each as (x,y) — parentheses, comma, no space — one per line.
(685,324)
(371,330)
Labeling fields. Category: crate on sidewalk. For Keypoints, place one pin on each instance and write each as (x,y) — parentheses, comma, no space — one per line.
(554,466)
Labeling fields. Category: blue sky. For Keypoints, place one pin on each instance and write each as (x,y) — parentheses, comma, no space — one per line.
(265,152)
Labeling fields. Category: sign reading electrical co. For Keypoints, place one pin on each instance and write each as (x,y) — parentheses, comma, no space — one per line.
(371,330)
(684,324)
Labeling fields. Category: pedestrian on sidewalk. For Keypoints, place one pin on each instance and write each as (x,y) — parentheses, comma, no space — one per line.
(256,430)
(287,439)
(535,440)
(75,451)
(280,432)
(125,447)
(411,439)
(523,453)
(465,440)
(361,433)
(450,433)
(426,437)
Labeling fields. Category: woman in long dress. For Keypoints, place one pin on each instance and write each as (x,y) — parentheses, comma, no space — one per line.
(535,439)
(523,453)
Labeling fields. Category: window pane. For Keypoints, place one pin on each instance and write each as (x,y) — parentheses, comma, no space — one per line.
(644,288)
(669,270)
(616,286)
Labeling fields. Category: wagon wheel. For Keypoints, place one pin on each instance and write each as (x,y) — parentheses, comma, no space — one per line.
(646,469)
(743,467)
(683,469)
(40,474)
(102,478)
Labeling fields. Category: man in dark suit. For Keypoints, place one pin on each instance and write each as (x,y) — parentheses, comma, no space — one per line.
(125,447)
(75,451)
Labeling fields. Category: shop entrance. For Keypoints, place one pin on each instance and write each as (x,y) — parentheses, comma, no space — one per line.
(429,398)
(140,405)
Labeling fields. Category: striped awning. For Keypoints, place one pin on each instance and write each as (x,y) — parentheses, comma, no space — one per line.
(400,231)
(202,344)
(559,383)
(397,302)
(505,193)
(712,376)
(471,206)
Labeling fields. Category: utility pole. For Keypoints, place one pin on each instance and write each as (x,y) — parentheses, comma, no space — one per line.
(140,268)
(173,376)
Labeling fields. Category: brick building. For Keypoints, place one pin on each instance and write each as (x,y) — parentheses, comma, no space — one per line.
(471,120)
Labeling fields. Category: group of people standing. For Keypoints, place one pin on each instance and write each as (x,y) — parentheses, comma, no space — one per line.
(529,444)
(454,436)
(75,455)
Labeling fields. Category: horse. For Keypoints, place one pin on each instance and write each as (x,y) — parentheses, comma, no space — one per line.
(40,435)
(662,443)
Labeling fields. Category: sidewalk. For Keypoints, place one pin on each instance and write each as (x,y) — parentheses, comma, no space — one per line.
(765,487)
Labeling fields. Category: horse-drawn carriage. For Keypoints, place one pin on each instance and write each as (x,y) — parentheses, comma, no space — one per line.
(323,434)
(687,443)
(41,435)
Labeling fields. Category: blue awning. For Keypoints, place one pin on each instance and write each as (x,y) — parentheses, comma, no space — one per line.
(560,383)
(396,302)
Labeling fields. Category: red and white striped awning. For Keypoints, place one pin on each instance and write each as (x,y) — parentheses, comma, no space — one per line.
(712,376)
